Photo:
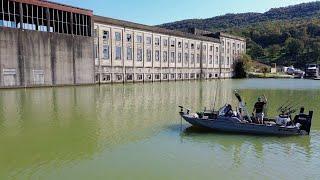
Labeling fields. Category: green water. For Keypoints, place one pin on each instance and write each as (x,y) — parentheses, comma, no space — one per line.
(133,131)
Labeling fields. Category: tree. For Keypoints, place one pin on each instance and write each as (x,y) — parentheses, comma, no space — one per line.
(256,51)
(293,47)
(242,66)
(265,70)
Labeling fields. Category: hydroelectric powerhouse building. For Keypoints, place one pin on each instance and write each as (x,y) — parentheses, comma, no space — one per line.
(44,43)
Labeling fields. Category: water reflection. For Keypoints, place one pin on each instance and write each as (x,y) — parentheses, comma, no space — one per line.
(264,156)
(48,130)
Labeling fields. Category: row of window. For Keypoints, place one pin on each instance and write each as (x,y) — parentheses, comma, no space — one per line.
(233,45)
(129,55)
(139,39)
(106,77)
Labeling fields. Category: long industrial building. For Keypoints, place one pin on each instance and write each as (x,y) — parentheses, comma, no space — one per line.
(50,44)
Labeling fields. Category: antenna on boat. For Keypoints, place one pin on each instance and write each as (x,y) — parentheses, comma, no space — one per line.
(216,94)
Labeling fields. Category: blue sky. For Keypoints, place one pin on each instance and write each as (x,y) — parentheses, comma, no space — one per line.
(153,12)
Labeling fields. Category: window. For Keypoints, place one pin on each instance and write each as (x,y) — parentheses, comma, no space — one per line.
(179,45)
(172,57)
(129,38)
(129,77)
(217,49)
(96,52)
(234,45)
(179,57)
(106,52)
(165,56)
(242,46)
(139,54)
(129,53)
(172,43)
(165,43)
(148,55)
(192,46)
(204,47)
(204,59)
(106,77)
(186,58)
(186,75)
(211,48)
(157,76)
(228,43)
(118,36)
(228,60)
(228,51)
(210,59)
(157,41)
(119,77)
(139,39)
(198,46)
(148,40)
(223,43)
(217,60)
(140,77)
(186,45)
(238,45)
(105,35)
(157,55)
(198,58)
(118,52)
(192,58)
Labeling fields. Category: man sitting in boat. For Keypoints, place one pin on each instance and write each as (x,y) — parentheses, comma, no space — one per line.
(259,109)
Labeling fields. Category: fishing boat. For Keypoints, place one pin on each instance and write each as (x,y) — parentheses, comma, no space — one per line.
(240,121)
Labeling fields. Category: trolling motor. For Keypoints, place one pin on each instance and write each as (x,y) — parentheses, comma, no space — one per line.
(182,110)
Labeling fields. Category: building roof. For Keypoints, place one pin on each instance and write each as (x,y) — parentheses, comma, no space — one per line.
(214,35)
(222,34)
(127,24)
(58,6)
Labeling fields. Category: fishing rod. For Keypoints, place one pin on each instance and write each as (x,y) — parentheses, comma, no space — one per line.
(286,103)
(290,105)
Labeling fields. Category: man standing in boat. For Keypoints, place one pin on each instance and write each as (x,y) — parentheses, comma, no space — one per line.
(259,109)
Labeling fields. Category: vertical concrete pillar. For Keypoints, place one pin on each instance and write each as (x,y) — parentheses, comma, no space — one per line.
(73,54)
(21,63)
(122,55)
(48,19)
(21,15)
(201,60)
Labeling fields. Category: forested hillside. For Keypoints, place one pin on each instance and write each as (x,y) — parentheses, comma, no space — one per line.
(287,36)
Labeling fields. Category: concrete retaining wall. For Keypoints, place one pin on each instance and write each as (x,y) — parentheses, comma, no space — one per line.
(32,58)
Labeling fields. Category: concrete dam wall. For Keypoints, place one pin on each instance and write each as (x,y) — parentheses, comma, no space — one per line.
(32,58)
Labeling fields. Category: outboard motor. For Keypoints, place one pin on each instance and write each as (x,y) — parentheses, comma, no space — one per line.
(304,120)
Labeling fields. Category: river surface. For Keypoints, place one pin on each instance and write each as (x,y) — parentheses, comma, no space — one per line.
(133,131)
